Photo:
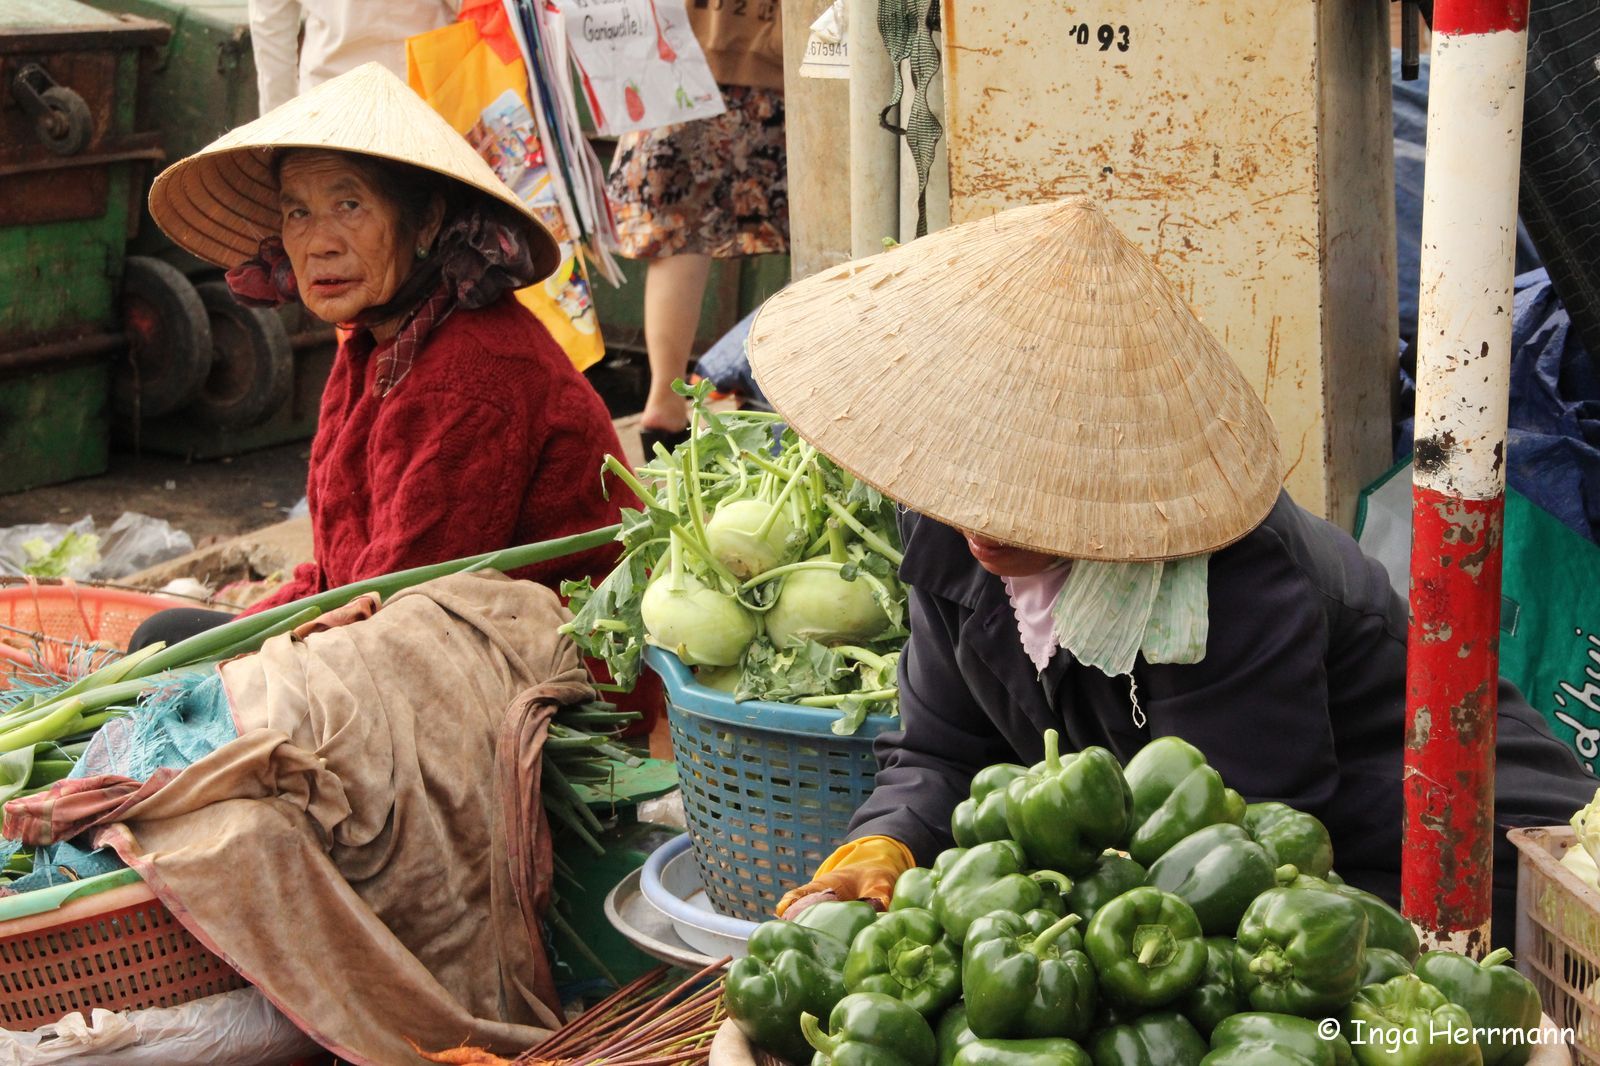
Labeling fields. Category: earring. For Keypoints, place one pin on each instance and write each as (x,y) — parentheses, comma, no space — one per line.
(422,251)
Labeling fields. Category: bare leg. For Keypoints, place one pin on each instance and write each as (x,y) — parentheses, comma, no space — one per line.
(673,289)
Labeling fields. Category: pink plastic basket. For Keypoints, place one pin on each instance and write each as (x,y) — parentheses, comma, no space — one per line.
(119,949)
(67,627)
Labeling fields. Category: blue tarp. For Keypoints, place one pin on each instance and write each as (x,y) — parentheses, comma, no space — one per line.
(727,365)
(1553,450)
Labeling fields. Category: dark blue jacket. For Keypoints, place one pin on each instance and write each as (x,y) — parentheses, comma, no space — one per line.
(1300,698)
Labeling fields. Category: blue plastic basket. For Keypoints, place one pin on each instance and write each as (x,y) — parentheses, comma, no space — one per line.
(768,788)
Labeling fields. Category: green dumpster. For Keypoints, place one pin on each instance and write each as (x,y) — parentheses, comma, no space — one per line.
(72,158)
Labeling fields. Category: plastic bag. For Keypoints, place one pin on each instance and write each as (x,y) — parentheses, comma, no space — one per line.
(238,1028)
(132,543)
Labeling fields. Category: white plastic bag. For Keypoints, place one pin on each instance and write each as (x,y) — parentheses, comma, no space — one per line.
(238,1028)
(133,542)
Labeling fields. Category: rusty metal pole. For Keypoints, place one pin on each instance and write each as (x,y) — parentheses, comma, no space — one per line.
(1469,225)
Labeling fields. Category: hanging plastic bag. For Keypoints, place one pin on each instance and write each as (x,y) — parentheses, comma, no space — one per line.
(472,73)
(640,64)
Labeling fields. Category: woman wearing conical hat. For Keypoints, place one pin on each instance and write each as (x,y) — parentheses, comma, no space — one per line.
(1097,542)
(451,423)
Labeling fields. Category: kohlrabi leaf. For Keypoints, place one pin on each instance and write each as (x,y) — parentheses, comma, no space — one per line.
(606,623)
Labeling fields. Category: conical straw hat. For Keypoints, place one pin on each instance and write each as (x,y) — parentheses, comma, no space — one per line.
(1030,377)
(220,202)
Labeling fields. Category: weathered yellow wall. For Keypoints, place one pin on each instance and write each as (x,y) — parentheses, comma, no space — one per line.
(1247,147)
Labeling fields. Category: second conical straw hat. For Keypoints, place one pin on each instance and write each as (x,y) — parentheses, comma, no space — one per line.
(220,202)
(1031,377)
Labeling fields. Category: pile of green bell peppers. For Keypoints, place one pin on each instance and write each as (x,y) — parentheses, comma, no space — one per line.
(1099,915)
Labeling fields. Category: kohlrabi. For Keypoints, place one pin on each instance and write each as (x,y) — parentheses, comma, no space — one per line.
(703,626)
(713,558)
(752,536)
(829,600)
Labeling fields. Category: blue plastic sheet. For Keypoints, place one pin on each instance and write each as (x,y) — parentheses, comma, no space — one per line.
(170,729)
(1410,139)
(728,365)
(1553,446)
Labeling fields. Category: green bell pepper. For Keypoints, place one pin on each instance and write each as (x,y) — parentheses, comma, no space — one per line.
(1111,875)
(1146,947)
(1258,1039)
(1044,1051)
(1303,950)
(982,817)
(871,1029)
(1386,927)
(1291,837)
(1218,871)
(840,919)
(1234,805)
(1198,800)
(988,878)
(1155,770)
(1022,983)
(1500,1000)
(1381,965)
(952,1033)
(914,888)
(790,970)
(1160,1039)
(1407,1022)
(1219,994)
(1065,814)
(1110,1014)
(905,954)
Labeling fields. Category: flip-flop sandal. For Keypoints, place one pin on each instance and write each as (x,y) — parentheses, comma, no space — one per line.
(667,438)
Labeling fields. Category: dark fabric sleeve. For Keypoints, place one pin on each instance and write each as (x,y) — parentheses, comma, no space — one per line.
(1257,703)
(926,768)
(448,475)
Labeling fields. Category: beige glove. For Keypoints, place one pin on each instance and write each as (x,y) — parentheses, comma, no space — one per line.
(862,869)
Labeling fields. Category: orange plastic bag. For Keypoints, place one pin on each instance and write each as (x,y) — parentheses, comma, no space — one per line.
(472,73)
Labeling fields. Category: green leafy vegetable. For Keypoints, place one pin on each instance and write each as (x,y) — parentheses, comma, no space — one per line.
(756,555)
(73,551)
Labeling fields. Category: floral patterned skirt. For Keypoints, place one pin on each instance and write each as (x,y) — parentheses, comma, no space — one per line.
(713,187)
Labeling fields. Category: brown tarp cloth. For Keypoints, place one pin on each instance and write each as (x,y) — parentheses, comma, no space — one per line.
(371,851)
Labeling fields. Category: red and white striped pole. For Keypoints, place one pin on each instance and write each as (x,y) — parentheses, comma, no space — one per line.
(1469,222)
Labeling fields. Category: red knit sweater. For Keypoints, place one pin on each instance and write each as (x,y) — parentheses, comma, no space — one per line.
(491,440)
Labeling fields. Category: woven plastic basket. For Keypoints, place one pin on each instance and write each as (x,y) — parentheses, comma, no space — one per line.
(67,627)
(768,789)
(104,942)
(1558,936)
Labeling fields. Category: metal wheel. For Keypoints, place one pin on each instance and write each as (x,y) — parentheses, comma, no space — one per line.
(252,363)
(68,127)
(169,340)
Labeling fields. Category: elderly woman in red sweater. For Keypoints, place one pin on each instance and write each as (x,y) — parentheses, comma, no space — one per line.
(452,423)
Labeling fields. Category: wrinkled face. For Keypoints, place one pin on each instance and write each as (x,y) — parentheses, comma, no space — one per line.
(1003,560)
(346,240)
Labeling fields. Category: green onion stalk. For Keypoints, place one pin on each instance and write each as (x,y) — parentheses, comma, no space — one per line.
(88,702)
